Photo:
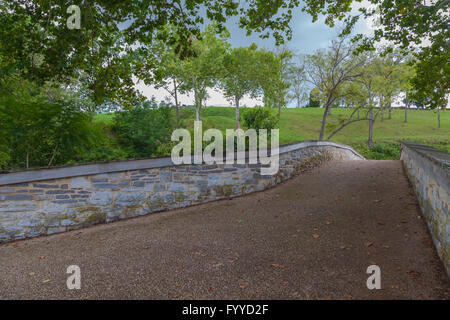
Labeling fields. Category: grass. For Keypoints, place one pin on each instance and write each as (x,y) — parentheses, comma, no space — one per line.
(304,124)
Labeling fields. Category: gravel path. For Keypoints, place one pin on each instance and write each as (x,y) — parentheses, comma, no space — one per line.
(312,237)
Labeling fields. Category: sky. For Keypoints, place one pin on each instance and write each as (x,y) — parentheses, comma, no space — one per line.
(307,37)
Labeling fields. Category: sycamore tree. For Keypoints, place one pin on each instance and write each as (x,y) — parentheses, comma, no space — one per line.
(204,68)
(238,78)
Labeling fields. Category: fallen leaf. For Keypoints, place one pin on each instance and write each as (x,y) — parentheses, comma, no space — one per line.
(315,236)
(327,222)
(243,286)
(42,257)
(294,236)
(368,244)
(14,244)
(338,198)
(276,265)
(386,246)
(342,247)
(46,281)
(32,273)
(376,200)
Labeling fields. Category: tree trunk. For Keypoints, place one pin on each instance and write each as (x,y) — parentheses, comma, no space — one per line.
(370,141)
(198,105)
(358,114)
(390,111)
(439,117)
(406,114)
(324,120)
(238,123)
(382,115)
(175,89)
(279,111)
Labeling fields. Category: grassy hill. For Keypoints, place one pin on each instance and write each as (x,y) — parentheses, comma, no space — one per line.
(304,124)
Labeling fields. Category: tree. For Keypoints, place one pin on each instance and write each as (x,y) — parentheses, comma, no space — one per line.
(297,78)
(431,82)
(172,78)
(419,28)
(282,81)
(239,79)
(388,82)
(271,71)
(373,90)
(204,69)
(37,131)
(329,70)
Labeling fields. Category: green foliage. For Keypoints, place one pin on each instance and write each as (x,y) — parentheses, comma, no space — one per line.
(260,118)
(205,67)
(239,78)
(381,151)
(314,99)
(37,131)
(142,130)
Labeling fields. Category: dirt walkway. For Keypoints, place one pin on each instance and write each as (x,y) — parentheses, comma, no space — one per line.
(312,237)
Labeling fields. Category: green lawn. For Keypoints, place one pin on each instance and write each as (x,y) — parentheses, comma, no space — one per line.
(304,124)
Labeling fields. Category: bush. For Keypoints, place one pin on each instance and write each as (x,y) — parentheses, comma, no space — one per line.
(38,132)
(260,118)
(143,130)
(380,151)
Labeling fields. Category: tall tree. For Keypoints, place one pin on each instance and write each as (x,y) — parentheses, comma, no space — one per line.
(204,69)
(239,79)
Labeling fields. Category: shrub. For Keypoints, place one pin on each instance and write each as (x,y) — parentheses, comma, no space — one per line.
(142,130)
(260,118)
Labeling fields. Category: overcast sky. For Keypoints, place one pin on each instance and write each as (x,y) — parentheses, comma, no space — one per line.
(307,37)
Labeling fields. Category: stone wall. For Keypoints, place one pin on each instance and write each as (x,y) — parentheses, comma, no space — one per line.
(39,202)
(428,170)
